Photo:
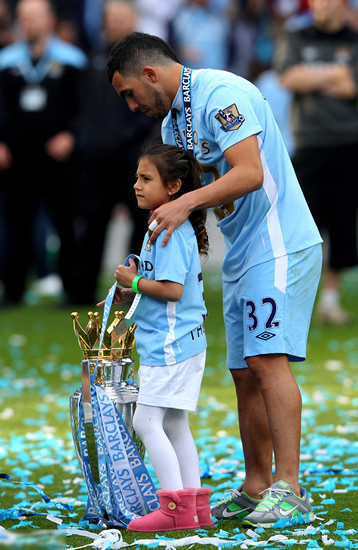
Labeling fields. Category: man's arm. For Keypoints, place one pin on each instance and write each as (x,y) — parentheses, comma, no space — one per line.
(331,79)
(335,80)
(245,176)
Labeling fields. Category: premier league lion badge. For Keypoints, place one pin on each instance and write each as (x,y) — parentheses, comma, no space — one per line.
(230,118)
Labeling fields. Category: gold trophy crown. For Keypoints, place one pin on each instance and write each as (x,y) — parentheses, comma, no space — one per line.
(118,340)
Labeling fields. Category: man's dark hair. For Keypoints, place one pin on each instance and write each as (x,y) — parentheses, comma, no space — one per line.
(137,49)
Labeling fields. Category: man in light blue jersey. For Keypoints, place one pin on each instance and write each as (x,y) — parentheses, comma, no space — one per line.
(272,260)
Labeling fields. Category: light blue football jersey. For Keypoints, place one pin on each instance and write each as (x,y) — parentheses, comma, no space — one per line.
(268,223)
(170,332)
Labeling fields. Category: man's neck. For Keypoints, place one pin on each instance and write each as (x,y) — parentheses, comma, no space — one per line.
(330,26)
(38,47)
(172,80)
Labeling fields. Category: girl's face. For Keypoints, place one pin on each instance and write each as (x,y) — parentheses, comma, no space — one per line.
(149,187)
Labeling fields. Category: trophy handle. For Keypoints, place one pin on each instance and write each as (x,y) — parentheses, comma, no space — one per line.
(88,421)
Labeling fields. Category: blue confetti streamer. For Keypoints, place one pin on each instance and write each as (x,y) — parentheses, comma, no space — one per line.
(40,492)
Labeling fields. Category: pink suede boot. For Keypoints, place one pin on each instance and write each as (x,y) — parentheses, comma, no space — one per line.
(177,511)
(203,509)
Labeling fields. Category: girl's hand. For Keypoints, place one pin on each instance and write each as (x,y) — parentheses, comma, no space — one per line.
(125,275)
(121,295)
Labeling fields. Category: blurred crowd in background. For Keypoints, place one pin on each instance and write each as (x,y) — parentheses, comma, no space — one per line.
(68,145)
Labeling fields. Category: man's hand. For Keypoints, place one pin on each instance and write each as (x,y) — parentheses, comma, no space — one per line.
(5,157)
(60,146)
(343,85)
(169,216)
(125,275)
(120,296)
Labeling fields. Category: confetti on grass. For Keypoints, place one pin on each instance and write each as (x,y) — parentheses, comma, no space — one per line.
(328,464)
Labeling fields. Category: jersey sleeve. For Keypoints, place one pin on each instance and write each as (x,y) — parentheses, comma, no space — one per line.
(230,115)
(172,261)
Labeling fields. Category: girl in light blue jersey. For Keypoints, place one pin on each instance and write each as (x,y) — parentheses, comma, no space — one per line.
(170,341)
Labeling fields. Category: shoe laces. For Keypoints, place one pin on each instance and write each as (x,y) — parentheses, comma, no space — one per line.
(271,498)
(230,494)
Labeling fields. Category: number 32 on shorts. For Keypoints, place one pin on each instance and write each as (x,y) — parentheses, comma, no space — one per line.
(254,313)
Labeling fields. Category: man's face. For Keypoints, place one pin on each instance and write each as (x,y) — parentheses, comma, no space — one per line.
(326,12)
(143,96)
(35,18)
(118,21)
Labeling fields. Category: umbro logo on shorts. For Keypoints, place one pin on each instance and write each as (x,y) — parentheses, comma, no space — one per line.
(265,335)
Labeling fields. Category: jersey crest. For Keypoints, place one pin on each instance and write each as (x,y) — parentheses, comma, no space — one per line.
(230,118)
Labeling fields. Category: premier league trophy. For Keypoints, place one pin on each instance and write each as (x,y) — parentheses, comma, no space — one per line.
(109,451)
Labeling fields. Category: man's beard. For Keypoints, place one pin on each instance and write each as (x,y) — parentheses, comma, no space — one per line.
(161,107)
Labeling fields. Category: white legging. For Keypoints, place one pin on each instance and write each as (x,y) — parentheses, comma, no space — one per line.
(170,445)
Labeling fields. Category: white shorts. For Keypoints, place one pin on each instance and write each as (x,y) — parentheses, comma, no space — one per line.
(173,386)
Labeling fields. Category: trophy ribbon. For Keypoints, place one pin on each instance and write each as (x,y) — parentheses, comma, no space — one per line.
(107,309)
(133,306)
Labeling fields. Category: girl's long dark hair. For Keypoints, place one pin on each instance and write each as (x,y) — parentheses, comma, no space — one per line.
(172,164)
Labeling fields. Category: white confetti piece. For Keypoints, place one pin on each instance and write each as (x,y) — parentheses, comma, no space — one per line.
(7,413)
(333,365)
(326,541)
(278,538)
(54,519)
(343,400)
(17,340)
(77,480)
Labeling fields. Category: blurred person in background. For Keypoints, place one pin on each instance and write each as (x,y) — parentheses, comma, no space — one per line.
(39,84)
(155,16)
(244,32)
(319,63)
(200,35)
(89,17)
(111,141)
(6,29)
(279,98)
(152,16)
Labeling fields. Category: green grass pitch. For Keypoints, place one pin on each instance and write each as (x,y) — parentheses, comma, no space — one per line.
(40,370)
